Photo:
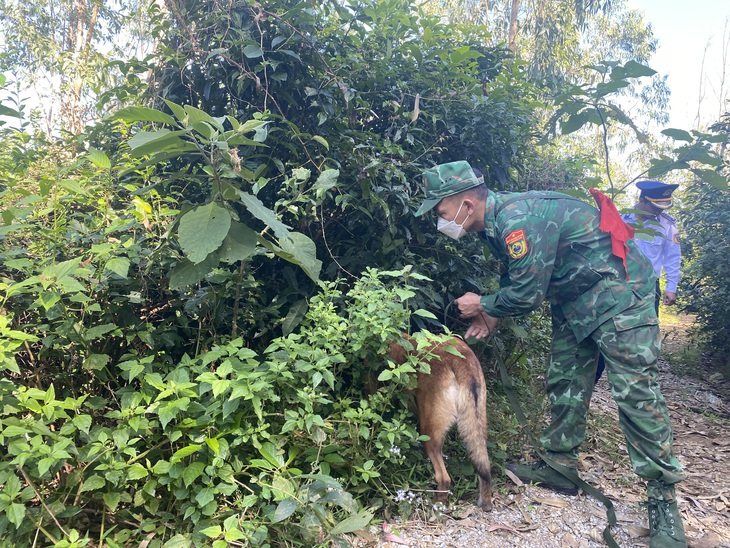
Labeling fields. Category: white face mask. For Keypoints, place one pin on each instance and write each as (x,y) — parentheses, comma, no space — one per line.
(451,228)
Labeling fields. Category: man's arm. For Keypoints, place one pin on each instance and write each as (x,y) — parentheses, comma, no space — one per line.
(531,247)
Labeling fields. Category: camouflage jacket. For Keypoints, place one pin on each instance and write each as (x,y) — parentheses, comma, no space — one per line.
(553,250)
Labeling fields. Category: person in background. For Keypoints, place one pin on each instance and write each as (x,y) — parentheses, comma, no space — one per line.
(663,250)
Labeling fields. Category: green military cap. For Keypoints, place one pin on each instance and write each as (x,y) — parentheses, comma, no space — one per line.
(445,180)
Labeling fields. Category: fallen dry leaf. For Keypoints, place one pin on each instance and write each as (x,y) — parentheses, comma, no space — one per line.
(709,540)
(493,528)
(365,536)
(390,537)
(549,501)
(637,531)
(517,481)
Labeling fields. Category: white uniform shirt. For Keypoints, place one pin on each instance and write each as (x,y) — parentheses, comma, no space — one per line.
(664,250)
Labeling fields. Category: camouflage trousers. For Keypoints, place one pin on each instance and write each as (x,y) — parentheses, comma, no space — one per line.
(630,343)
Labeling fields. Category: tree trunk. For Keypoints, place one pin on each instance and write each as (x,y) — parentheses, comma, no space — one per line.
(513,25)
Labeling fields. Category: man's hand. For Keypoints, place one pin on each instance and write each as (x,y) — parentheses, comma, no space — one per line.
(469,305)
(669,298)
(481,326)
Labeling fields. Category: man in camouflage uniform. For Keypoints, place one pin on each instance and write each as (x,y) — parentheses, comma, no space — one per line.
(553,250)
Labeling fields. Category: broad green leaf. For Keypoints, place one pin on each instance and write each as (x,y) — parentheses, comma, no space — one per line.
(385,375)
(98,158)
(93,483)
(285,509)
(294,316)
(716,179)
(164,140)
(112,500)
(269,451)
(14,430)
(99,331)
(239,140)
(264,214)
(202,230)
(214,445)
(50,395)
(610,87)
(253,51)
(322,141)
(574,122)
(82,422)
(195,115)
(67,284)
(301,173)
(424,314)
(678,134)
(178,541)
(233,535)
(118,265)
(7,111)
(301,250)
(176,109)
(74,187)
(142,114)
(239,244)
(326,180)
(632,69)
(205,129)
(45,464)
(193,472)
(213,531)
(59,270)
(185,452)
(15,514)
(519,331)
(136,471)
(353,523)
(283,488)
(204,496)
(185,273)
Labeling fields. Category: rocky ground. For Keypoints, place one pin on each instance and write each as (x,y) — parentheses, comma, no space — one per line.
(532,517)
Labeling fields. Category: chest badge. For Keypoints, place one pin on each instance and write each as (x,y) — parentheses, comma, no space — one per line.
(516,244)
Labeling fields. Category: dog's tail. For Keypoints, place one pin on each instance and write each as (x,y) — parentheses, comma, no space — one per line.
(472,415)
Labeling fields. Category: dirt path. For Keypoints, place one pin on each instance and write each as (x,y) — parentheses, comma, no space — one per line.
(532,517)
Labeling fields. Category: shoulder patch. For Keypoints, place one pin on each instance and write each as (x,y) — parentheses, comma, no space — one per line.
(516,244)
(675,238)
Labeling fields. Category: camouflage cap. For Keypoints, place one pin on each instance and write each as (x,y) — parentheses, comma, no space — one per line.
(445,180)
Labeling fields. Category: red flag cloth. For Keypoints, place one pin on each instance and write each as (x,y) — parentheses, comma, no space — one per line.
(612,223)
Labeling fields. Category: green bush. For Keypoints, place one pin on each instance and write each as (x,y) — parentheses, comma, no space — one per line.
(705,284)
(232,444)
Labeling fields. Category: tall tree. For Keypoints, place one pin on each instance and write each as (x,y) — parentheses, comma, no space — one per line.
(61,48)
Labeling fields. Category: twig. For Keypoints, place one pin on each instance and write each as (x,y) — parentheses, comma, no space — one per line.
(43,503)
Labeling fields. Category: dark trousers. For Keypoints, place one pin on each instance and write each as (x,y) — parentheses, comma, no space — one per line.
(601,362)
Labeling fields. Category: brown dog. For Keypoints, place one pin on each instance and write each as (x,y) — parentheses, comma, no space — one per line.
(454,393)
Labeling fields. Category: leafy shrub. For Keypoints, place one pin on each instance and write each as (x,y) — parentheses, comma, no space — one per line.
(705,283)
(239,444)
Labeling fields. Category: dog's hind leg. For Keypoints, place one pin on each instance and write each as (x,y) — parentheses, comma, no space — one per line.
(435,420)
